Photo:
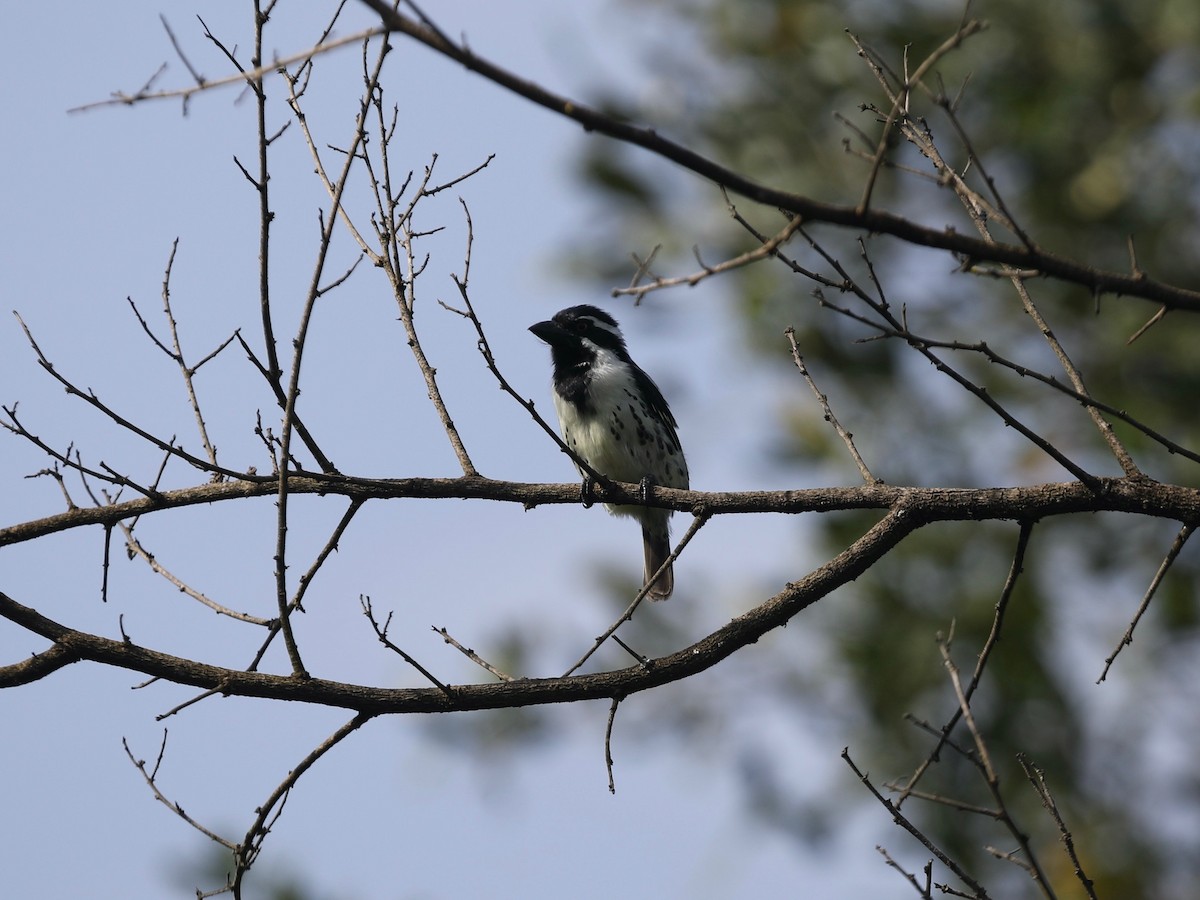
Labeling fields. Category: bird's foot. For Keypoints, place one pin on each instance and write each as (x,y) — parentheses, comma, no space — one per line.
(585,491)
(646,488)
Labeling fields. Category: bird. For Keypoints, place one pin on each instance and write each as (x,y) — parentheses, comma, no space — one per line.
(613,416)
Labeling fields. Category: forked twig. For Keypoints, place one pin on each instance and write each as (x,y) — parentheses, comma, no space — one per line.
(175,352)
(983,761)
(394,228)
(899,96)
(765,249)
(921,138)
(872,221)
(381,632)
(982,348)
(121,98)
(336,191)
(248,850)
(900,819)
(93,400)
(151,778)
(1010,583)
(926,890)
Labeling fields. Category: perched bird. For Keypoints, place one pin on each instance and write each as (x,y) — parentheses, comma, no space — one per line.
(615,419)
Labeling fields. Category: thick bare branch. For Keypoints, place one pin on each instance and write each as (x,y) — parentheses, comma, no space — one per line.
(971,250)
(740,632)
(36,667)
(1149,498)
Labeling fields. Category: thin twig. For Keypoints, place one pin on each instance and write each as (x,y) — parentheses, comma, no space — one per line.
(151,778)
(872,221)
(993,638)
(982,348)
(767,248)
(336,191)
(405,292)
(1151,322)
(180,707)
(196,76)
(176,354)
(891,323)
(953,802)
(923,140)
(54,473)
(827,413)
(698,521)
(1012,857)
(250,76)
(91,398)
(136,549)
(394,229)
(472,655)
(899,818)
(608,730)
(881,309)
(642,268)
(381,632)
(983,761)
(1037,777)
(248,850)
(330,546)
(900,97)
(485,350)
(271,371)
(908,876)
(1126,639)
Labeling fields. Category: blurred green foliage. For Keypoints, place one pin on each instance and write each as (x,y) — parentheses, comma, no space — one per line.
(1087,114)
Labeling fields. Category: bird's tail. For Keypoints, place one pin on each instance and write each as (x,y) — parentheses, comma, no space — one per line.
(656,542)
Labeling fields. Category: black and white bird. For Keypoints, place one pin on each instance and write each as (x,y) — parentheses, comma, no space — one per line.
(615,419)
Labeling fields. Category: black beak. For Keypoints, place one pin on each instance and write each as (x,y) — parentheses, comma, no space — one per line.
(551,332)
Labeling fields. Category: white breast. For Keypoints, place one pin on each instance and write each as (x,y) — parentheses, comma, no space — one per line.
(620,437)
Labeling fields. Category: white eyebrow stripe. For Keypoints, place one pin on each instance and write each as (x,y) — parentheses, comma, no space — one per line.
(604,326)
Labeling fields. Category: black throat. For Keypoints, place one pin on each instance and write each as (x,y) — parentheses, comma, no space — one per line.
(573,375)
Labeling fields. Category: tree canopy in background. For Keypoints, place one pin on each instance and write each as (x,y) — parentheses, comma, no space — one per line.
(1085,116)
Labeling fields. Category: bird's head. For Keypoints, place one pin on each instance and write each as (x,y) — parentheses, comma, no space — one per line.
(579,332)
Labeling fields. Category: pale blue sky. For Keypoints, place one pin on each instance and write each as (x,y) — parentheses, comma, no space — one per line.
(94,201)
